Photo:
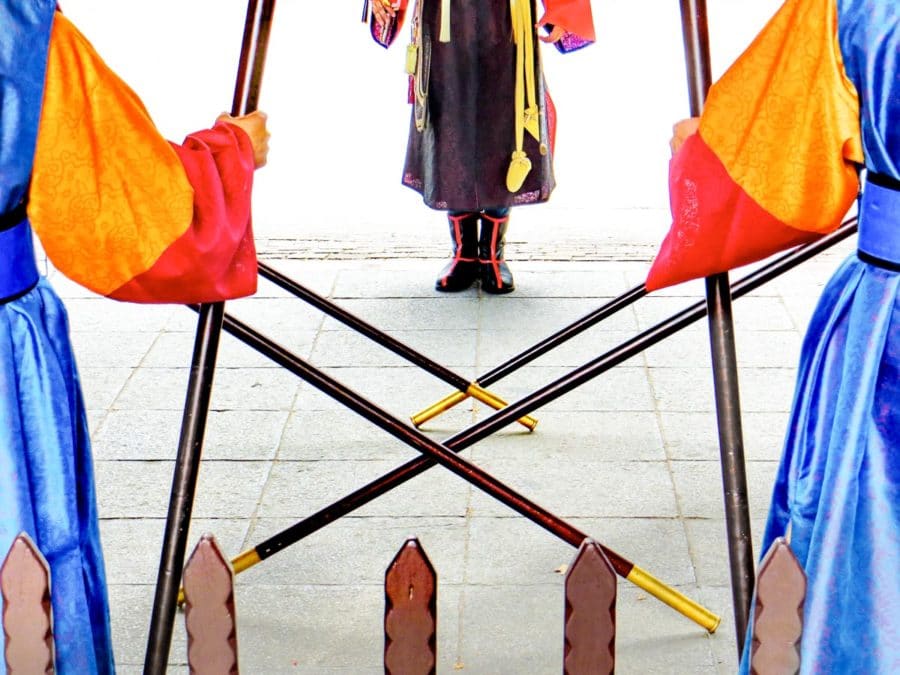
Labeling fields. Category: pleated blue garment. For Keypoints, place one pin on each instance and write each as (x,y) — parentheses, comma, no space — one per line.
(46,474)
(837,492)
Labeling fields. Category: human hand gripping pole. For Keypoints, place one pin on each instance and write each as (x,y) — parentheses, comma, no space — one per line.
(254,125)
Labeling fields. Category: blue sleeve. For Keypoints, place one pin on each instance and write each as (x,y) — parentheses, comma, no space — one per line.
(23,61)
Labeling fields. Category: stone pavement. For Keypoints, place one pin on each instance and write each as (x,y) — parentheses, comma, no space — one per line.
(630,457)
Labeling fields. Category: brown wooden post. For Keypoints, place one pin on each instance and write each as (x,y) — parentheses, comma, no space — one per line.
(778,613)
(590,634)
(27,614)
(410,613)
(209,614)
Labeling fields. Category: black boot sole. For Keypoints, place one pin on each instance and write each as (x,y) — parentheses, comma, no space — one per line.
(453,287)
(488,279)
(459,277)
(493,290)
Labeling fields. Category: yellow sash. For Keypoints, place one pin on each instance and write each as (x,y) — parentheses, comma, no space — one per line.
(527,118)
(527,110)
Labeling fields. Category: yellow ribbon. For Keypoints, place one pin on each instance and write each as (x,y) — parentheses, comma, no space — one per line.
(445,21)
(527,118)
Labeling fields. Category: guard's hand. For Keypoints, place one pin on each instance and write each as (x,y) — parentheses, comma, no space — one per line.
(555,35)
(681,131)
(383,10)
(254,124)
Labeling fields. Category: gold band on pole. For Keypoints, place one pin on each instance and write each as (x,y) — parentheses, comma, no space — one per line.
(481,394)
(245,560)
(696,613)
(477,392)
(441,406)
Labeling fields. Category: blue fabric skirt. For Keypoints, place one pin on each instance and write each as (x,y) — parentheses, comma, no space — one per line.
(837,492)
(46,474)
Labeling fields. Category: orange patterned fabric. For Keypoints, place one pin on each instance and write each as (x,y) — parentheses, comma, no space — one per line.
(108,194)
(784,119)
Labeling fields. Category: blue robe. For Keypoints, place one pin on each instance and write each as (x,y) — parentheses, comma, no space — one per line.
(837,491)
(46,476)
(177,229)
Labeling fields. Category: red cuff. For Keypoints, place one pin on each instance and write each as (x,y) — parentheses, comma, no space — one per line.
(572,15)
(215,258)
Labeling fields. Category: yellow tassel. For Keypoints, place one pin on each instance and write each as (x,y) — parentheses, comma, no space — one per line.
(532,113)
(527,114)
(533,122)
(412,57)
(445,21)
(519,168)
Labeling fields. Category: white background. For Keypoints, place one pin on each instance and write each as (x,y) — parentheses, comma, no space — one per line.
(338,113)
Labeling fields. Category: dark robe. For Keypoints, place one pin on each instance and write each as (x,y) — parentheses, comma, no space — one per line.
(460,160)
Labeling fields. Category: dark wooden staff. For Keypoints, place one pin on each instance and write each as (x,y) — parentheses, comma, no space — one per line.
(467,437)
(547,344)
(463,386)
(724,358)
(257,26)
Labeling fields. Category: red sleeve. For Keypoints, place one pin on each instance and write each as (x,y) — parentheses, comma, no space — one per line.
(215,258)
(572,15)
